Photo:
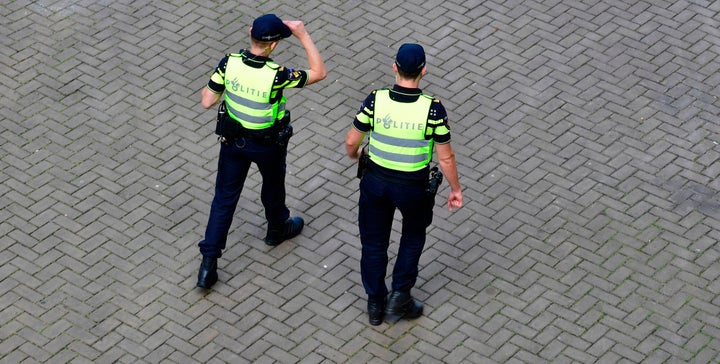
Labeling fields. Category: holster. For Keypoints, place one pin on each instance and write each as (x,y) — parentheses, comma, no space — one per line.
(436,178)
(363,163)
(221,114)
(284,131)
(226,128)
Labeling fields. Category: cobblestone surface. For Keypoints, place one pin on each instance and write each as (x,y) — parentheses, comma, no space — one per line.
(586,134)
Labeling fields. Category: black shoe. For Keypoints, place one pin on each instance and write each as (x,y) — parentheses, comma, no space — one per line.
(376,311)
(402,305)
(292,227)
(207,276)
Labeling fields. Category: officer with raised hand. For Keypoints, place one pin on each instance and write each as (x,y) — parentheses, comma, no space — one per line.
(404,125)
(254,127)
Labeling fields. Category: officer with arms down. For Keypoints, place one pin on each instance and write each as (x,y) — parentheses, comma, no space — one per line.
(254,127)
(404,125)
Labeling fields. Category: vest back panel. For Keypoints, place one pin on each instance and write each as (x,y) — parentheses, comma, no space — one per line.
(248,91)
(398,139)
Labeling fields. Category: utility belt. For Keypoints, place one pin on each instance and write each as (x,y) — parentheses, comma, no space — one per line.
(229,130)
(431,184)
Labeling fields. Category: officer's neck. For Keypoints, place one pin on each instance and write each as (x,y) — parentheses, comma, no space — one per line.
(407,82)
(260,52)
(262,49)
(415,83)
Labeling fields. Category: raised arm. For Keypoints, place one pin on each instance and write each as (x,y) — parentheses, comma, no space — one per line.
(317,71)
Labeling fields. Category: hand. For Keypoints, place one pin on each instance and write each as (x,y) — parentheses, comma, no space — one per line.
(455,200)
(296,27)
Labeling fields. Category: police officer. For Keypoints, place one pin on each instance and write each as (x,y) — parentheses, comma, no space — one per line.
(252,85)
(404,125)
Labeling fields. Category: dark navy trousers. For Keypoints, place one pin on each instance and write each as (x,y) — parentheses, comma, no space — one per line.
(378,200)
(233,165)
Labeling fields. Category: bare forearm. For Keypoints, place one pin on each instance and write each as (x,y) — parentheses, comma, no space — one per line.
(352,143)
(449,169)
(208,98)
(317,70)
(352,151)
(446,158)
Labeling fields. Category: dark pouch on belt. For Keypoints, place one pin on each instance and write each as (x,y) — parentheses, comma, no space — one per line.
(434,181)
(221,115)
(362,164)
(226,127)
(285,131)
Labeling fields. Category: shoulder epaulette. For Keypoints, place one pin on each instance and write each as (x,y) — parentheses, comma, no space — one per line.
(273,65)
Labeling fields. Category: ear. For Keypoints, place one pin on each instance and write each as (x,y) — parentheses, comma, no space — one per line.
(424,70)
(394,66)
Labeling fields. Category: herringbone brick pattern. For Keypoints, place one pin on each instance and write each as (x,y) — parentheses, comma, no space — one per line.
(587,137)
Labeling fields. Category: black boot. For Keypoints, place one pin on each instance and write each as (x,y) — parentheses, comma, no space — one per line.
(402,305)
(291,228)
(207,276)
(376,311)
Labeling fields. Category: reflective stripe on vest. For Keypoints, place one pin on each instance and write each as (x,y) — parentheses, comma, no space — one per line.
(398,139)
(248,91)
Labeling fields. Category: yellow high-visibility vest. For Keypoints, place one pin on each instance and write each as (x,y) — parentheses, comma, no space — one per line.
(398,140)
(248,91)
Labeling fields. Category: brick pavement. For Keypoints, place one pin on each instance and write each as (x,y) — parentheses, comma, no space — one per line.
(587,140)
